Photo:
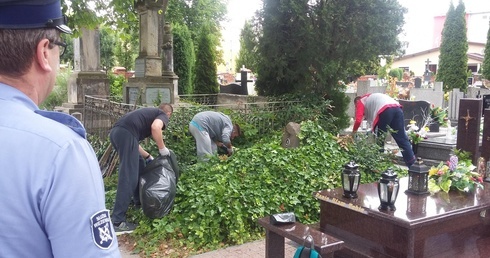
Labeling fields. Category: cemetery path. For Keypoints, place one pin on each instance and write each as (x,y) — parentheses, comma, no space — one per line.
(255,249)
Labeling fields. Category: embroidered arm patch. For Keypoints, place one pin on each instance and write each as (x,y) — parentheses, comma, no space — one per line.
(102,231)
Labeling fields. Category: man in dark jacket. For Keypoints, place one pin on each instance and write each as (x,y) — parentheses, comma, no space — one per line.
(125,136)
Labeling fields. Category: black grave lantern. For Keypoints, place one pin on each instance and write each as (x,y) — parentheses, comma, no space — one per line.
(351,179)
(388,187)
(418,178)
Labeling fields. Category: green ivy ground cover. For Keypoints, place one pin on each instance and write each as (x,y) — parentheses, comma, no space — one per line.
(218,202)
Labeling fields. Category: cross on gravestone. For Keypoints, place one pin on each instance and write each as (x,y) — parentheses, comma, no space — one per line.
(427,62)
(469,119)
(415,110)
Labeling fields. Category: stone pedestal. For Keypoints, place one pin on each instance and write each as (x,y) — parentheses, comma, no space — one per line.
(81,84)
(150,91)
(436,149)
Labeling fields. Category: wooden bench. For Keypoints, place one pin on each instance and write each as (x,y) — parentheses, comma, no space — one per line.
(325,244)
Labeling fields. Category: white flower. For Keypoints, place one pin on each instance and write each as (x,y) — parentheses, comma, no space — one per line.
(413,127)
(423,132)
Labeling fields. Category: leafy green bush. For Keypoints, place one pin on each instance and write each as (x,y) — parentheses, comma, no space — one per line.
(116,87)
(59,93)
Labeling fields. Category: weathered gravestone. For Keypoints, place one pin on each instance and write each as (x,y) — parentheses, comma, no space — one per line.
(418,82)
(436,149)
(290,137)
(415,110)
(469,119)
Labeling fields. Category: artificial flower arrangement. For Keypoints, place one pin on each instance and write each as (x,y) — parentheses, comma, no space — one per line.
(438,115)
(416,135)
(456,175)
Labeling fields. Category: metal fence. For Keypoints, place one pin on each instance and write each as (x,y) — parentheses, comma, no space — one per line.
(101,113)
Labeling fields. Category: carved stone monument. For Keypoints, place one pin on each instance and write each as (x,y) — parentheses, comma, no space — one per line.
(151,86)
(87,77)
(468,137)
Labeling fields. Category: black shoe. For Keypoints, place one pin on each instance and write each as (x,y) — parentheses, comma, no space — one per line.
(124,228)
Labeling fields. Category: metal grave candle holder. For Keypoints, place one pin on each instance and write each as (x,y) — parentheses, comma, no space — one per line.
(351,179)
(388,187)
(418,178)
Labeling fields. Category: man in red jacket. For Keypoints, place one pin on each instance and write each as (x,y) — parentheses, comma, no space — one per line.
(381,111)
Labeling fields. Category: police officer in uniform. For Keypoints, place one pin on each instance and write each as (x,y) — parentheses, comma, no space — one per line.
(52,194)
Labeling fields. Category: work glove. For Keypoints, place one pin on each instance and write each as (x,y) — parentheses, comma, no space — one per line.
(148,159)
(164,151)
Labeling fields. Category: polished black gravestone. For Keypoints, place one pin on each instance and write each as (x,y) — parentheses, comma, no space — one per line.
(235,88)
(415,110)
(486,102)
(469,120)
(450,224)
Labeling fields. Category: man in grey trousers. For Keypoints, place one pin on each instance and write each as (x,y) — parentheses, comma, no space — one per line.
(211,130)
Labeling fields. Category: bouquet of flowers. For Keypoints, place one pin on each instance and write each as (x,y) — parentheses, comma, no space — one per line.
(416,135)
(438,115)
(454,175)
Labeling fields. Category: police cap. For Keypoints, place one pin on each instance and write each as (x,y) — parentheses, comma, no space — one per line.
(32,14)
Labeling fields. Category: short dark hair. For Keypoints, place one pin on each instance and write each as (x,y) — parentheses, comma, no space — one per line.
(356,99)
(165,107)
(19,47)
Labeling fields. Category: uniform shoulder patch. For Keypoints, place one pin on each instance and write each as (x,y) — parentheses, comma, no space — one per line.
(102,231)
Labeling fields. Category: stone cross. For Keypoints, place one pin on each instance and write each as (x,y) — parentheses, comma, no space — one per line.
(427,62)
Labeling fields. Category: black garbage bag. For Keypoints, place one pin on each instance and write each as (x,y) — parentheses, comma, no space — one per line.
(158,183)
